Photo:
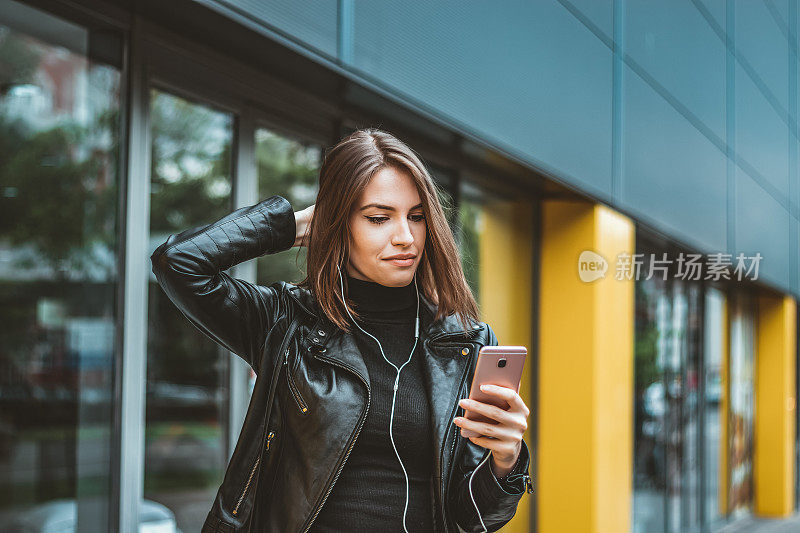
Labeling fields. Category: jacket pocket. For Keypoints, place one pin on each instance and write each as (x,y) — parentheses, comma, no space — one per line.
(298,398)
(213,524)
(253,471)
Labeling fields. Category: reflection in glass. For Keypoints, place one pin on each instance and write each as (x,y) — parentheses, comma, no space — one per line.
(288,168)
(650,406)
(59,117)
(714,344)
(667,436)
(685,370)
(740,420)
(674,331)
(444,179)
(186,413)
(470,226)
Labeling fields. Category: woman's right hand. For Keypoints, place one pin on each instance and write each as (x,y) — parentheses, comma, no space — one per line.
(302,220)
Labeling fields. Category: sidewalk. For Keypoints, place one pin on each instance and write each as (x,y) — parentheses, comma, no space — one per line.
(761,525)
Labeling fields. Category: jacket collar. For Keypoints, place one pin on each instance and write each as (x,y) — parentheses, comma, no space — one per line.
(448,326)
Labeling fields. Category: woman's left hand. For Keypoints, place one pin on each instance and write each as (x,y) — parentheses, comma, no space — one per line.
(507,432)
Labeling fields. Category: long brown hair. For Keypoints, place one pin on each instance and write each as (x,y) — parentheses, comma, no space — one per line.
(346,170)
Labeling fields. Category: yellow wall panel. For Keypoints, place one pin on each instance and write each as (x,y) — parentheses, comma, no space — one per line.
(585,373)
(774,406)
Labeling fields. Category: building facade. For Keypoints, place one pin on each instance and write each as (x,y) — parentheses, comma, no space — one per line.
(621,177)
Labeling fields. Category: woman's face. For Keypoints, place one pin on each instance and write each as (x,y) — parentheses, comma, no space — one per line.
(387,220)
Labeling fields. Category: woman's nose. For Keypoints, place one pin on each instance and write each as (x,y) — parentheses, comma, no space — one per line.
(403,235)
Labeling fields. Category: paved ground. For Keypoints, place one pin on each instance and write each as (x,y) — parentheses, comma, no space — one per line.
(756,525)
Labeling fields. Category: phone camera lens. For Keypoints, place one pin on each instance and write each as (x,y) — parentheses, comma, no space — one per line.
(501,363)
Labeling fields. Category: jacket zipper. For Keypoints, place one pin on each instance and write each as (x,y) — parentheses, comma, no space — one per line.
(269,436)
(252,472)
(452,451)
(444,444)
(295,393)
(329,488)
(527,479)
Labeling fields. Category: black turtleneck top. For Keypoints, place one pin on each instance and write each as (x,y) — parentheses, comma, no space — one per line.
(370,493)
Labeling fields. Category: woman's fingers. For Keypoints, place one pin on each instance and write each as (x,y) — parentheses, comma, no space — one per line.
(502,437)
(502,416)
(498,431)
(510,395)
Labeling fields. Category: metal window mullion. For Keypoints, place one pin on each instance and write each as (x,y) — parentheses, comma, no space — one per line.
(345,24)
(131,405)
(245,192)
(701,402)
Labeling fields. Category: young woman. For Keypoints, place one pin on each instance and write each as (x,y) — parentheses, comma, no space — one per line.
(363,367)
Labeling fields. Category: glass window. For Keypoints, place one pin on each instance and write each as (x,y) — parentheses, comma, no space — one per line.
(714,344)
(667,436)
(649,453)
(59,187)
(187,392)
(688,324)
(740,420)
(445,181)
(486,219)
(470,227)
(289,168)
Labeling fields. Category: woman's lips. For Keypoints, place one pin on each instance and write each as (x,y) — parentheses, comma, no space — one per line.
(401,262)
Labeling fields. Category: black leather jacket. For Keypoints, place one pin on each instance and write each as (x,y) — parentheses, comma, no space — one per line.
(282,470)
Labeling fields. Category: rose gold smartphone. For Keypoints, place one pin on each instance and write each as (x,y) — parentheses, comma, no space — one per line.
(497,365)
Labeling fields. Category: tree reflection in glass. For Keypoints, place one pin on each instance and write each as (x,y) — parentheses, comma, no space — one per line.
(59,145)
(185,451)
(287,167)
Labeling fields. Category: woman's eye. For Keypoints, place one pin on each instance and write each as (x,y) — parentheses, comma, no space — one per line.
(377,220)
(417,218)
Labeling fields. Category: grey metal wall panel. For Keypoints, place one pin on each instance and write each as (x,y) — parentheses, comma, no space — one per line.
(681,188)
(599,12)
(781,8)
(311,21)
(762,225)
(762,138)
(794,249)
(674,43)
(796,252)
(763,45)
(716,8)
(528,76)
(535,79)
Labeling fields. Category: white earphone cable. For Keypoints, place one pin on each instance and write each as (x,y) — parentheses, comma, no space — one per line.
(473,497)
(394,396)
(396,383)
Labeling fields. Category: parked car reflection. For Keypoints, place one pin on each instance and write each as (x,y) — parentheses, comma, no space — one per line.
(60,516)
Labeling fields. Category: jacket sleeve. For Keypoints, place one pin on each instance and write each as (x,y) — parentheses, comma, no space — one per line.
(496,498)
(190,268)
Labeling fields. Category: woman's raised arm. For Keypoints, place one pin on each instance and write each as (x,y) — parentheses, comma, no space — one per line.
(190,268)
